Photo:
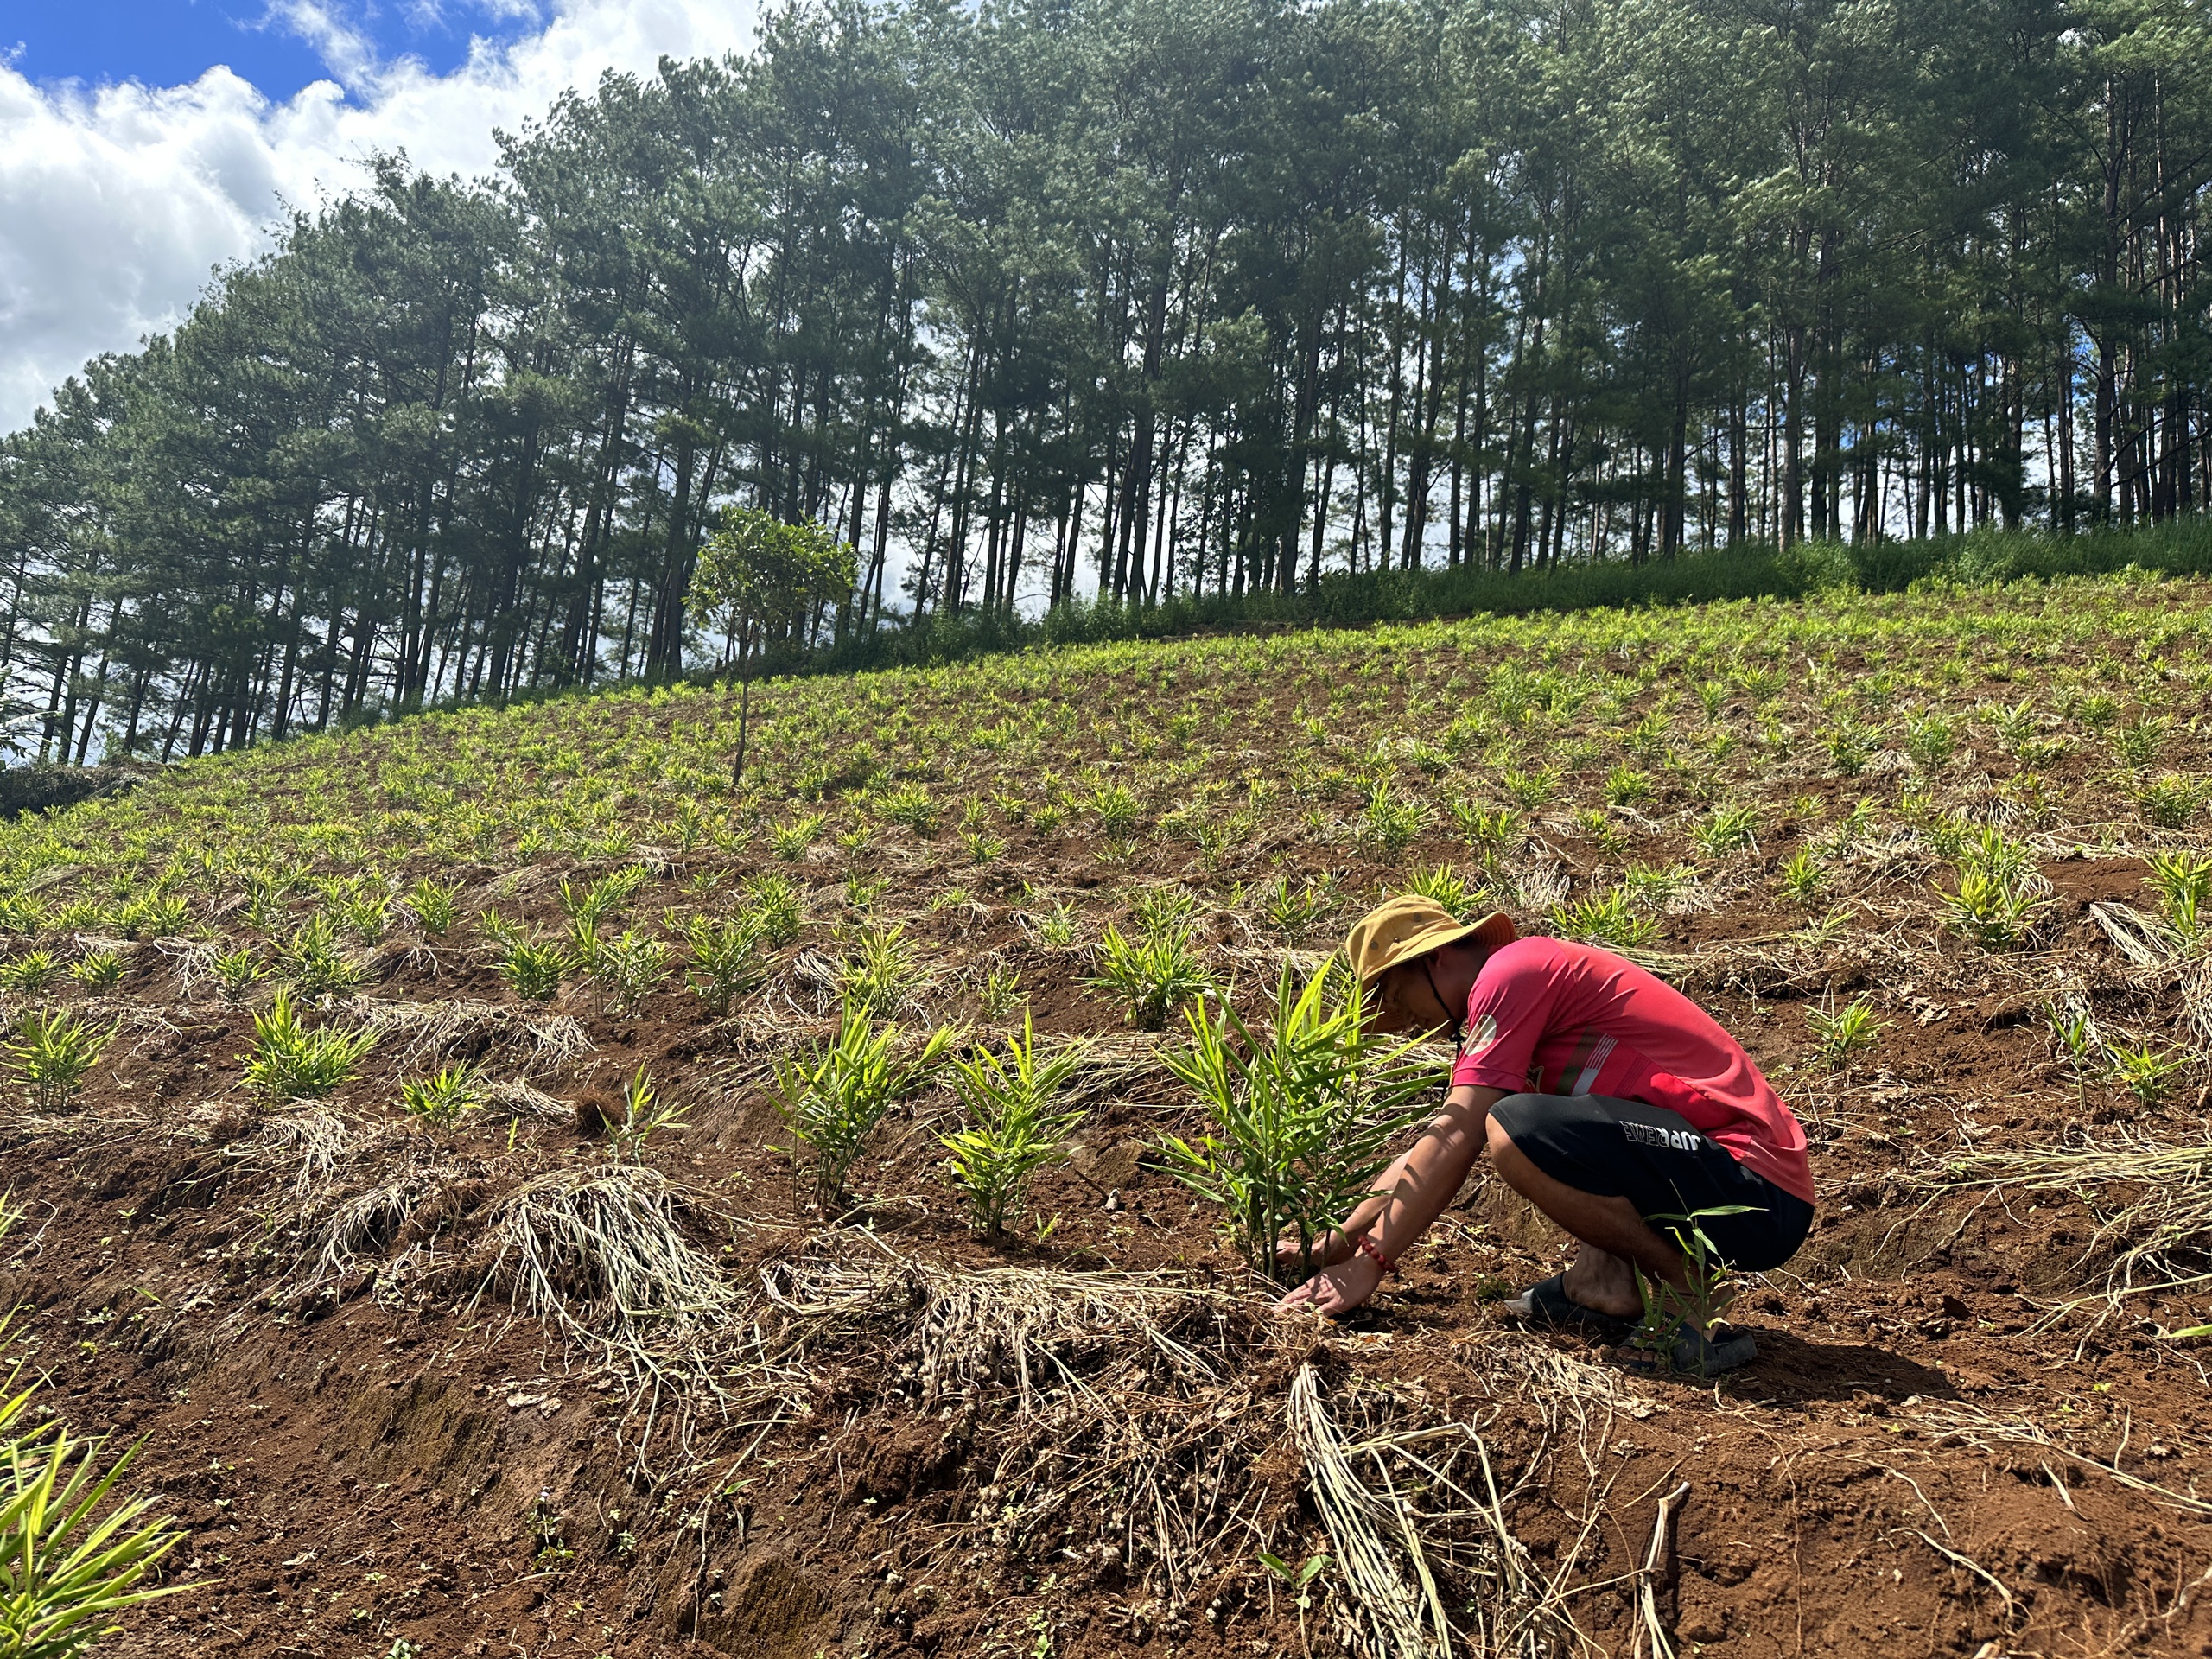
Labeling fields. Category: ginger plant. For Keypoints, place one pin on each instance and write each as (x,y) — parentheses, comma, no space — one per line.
(291,1061)
(832,1100)
(1301,1116)
(51,1052)
(1013,1128)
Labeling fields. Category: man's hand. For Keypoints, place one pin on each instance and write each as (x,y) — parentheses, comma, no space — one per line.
(1336,1291)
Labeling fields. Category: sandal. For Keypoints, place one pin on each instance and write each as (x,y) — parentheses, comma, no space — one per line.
(1694,1352)
(1548,1304)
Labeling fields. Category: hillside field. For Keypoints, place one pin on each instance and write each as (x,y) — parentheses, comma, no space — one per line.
(429,1210)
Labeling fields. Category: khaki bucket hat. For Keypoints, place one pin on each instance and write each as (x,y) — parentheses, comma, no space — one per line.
(1408,927)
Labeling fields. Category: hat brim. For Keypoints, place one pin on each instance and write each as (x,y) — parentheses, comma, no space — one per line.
(1493,931)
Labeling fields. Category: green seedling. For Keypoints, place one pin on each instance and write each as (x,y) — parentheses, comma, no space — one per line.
(1013,1128)
(435,905)
(1300,1116)
(533,971)
(1162,910)
(999,994)
(2075,1034)
(1056,927)
(440,1099)
(879,978)
(98,970)
(1446,886)
(239,971)
(1605,919)
(1838,1033)
(912,808)
(1152,975)
(1390,823)
(1988,910)
(32,974)
(790,841)
(627,968)
(726,961)
(292,1062)
(644,1115)
(773,909)
(2183,884)
(1802,878)
(833,1101)
(2144,1068)
(2169,801)
(1299,1580)
(1731,829)
(1117,811)
(1703,1304)
(51,1052)
(315,966)
(1290,911)
(1626,786)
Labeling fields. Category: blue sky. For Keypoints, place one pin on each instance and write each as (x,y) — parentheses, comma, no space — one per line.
(129,172)
(279,48)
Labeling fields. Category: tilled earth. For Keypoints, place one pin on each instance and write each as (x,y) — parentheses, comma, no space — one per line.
(881,1435)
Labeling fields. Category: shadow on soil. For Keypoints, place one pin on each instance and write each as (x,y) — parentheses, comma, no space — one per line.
(1788,1368)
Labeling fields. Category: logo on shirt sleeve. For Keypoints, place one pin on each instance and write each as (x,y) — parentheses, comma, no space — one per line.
(1480,1036)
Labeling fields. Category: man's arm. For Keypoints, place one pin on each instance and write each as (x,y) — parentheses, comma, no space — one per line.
(1409,1196)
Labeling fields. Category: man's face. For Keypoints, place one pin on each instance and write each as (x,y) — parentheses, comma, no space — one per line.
(1410,1001)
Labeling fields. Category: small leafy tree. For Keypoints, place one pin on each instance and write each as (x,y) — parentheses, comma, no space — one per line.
(1303,1115)
(759,578)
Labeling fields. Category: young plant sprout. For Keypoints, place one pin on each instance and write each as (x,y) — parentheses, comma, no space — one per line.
(1731,829)
(1802,878)
(1291,911)
(2183,884)
(1607,918)
(532,971)
(880,976)
(98,970)
(435,905)
(999,992)
(32,974)
(1658,1340)
(1449,888)
(291,1062)
(1153,975)
(315,966)
(50,1054)
(2143,1069)
(790,841)
(627,968)
(1389,823)
(440,1099)
(1117,812)
(1301,1117)
(645,1113)
(72,1553)
(725,960)
(1014,1129)
(239,971)
(773,909)
(833,1101)
(2076,1035)
(1838,1033)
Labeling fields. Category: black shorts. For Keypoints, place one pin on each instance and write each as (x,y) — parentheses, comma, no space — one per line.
(1654,1159)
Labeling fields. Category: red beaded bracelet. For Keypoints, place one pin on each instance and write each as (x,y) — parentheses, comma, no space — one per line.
(1368,1247)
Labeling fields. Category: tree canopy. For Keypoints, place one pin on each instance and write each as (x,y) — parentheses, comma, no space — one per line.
(1029,302)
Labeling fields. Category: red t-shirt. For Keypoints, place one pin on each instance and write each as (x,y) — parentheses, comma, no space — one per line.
(1550,1018)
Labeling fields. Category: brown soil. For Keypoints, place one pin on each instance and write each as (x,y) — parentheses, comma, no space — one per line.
(401,1465)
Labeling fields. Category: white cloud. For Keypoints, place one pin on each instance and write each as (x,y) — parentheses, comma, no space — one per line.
(116,202)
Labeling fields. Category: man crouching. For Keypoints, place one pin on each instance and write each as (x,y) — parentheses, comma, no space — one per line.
(1604,1096)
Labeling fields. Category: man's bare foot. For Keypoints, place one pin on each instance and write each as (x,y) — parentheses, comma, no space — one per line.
(1604,1283)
